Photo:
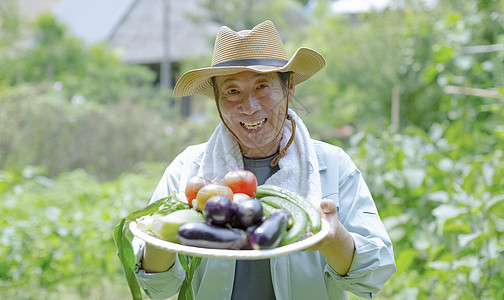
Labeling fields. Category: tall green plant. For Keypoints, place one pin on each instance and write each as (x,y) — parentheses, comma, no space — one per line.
(442,202)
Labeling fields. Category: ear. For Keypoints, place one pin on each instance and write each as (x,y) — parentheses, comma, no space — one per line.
(291,86)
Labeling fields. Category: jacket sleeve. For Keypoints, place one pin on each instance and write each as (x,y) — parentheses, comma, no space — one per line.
(373,263)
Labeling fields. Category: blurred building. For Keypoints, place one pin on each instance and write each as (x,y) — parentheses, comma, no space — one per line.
(146,31)
(156,33)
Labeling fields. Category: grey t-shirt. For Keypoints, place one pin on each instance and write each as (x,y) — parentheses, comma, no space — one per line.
(253,277)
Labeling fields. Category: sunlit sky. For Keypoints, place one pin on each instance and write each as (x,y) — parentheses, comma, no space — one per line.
(358,6)
(355,6)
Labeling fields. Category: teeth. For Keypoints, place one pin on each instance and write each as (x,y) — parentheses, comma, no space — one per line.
(254,125)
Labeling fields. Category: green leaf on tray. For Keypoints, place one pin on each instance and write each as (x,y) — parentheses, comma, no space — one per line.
(123,244)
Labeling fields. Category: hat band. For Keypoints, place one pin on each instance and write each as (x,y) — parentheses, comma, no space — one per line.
(274,62)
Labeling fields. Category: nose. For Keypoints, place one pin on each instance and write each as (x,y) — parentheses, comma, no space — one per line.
(250,104)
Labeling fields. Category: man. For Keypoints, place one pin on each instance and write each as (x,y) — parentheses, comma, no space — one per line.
(252,81)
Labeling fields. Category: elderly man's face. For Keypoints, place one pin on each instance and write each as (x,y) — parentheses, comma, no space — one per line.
(253,106)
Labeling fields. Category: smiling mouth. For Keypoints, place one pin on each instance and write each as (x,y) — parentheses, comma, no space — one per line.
(254,125)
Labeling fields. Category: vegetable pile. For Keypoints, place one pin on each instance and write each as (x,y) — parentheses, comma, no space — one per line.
(235,213)
(232,213)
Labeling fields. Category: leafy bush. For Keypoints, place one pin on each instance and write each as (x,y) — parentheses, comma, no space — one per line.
(56,240)
(442,202)
(38,126)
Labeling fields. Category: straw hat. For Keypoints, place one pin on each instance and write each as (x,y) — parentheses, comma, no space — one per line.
(259,50)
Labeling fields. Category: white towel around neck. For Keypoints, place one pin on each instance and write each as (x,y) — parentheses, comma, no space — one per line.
(298,168)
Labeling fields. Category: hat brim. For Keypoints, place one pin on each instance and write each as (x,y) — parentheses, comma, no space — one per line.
(304,64)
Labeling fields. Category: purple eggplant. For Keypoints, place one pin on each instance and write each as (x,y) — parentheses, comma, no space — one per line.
(211,236)
(219,210)
(249,213)
(269,233)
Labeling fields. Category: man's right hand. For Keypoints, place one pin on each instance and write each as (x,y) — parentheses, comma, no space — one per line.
(157,260)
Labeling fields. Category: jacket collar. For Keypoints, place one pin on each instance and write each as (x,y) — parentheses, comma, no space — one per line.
(321,158)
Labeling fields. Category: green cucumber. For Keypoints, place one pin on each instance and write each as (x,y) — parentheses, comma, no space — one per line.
(268,209)
(298,216)
(273,190)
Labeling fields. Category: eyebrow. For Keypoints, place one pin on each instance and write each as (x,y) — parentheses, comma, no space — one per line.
(255,76)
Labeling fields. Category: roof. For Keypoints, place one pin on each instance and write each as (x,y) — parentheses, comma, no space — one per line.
(92,20)
(141,34)
(137,27)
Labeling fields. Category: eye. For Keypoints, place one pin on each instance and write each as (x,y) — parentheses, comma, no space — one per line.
(232,91)
(231,94)
(262,86)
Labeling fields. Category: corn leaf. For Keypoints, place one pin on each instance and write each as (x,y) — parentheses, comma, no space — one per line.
(189,264)
(123,244)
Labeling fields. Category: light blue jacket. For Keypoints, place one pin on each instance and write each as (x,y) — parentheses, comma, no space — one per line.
(301,275)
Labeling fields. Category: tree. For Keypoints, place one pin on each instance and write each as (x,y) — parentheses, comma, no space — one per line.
(288,15)
(52,55)
(418,48)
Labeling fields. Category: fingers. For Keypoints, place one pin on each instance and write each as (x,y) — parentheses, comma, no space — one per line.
(328,207)
(329,211)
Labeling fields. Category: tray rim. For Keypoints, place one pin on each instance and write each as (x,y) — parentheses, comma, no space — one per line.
(231,254)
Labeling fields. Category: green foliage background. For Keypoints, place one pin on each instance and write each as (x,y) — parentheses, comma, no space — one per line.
(84,139)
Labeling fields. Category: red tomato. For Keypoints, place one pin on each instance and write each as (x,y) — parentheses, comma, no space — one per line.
(241,181)
(210,190)
(193,186)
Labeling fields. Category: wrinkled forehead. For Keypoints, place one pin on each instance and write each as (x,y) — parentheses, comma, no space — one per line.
(245,76)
